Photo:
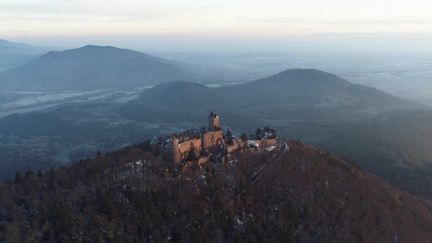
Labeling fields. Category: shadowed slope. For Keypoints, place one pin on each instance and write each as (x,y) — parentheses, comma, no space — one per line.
(304,195)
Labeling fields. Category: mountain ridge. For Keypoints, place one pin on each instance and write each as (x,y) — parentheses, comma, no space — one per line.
(294,87)
(92,67)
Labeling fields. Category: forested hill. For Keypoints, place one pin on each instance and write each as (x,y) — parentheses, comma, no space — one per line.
(298,195)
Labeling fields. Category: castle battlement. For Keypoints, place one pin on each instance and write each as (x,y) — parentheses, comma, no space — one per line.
(211,143)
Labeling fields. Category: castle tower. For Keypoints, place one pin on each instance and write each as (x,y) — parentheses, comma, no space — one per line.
(173,151)
(214,122)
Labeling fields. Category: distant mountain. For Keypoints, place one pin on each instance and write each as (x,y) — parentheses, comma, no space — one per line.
(91,68)
(305,93)
(317,88)
(300,194)
(7,47)
(13,54)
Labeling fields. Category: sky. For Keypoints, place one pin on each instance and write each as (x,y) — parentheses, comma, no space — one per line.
(70,22)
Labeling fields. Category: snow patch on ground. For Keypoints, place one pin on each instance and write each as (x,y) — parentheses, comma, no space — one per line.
(270,148)
(138,163)
(253,143)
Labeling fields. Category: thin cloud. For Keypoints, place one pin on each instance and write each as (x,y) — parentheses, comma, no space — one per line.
(205,17)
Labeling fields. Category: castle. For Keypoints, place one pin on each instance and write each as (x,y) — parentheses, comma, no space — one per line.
(210,143)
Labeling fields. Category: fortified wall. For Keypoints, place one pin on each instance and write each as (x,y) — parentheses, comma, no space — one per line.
(210,143)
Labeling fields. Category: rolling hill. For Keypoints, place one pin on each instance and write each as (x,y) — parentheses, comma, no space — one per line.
(301,94)
(92,68)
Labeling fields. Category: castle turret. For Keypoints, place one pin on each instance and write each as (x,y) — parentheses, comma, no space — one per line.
(214,122)
(173,150)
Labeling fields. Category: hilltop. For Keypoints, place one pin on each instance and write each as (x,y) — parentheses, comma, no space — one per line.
(90,68)
(292,194)
(303,90)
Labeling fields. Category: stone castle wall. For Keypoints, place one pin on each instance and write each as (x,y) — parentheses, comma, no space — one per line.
(171,153)
(178,152)
(211,139)
(237,144)
(186,145)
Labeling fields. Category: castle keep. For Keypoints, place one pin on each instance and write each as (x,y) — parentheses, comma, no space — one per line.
(210,143)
